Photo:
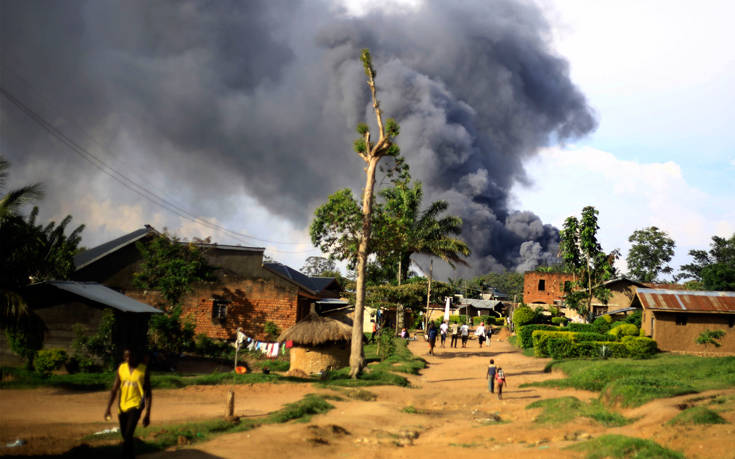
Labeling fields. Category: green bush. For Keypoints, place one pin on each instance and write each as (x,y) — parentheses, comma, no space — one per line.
(560,321)
(602,324)
(500,321)
(581,328)
(635,318)
(559,347)
(523,316)
(91,350)
(271,330)
(456,319)
(211,348)
(48,360)
(624,329)
(540,340)
(583,336)
(525,333)
(598,350)
(640,347)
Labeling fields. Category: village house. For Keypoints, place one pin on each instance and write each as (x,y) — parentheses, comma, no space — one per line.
(676,318)
(547,289)
(246,292)
(622,293)
(60,305)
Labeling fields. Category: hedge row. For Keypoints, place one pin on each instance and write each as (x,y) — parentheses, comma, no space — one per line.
(525,333)
(562,345)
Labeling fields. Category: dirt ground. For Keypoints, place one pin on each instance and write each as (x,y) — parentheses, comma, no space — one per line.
(456,416)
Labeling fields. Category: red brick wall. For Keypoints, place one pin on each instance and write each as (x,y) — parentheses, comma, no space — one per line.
(554,288)
(250,303)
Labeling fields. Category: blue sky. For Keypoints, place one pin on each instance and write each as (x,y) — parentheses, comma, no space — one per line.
(660,77)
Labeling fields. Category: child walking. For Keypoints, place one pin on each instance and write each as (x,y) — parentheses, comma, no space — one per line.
(500,381)
(490,376)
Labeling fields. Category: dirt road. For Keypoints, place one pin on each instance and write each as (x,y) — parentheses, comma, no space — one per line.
(447,411)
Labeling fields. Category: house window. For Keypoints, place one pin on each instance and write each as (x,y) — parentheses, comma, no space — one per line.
(219,311)
(731,321)
(681,319)
(541,285)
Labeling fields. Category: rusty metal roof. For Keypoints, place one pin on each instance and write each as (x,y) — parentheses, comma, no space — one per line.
(687,300)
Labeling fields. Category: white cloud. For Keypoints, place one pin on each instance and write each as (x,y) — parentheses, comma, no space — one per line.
(628,194)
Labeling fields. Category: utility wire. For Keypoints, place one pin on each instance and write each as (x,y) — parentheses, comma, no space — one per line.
(131,184)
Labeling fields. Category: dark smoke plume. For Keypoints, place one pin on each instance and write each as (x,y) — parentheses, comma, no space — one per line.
(208,100)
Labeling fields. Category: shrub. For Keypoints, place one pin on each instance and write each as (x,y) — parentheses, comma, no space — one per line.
(500,321)
(560,321)
(523,316)
(540,340)
(559,347)
(583,336)
(598,350)
(710,337)
(91,349)
(456,319)
(602,324)
(214,349)
(169,333)
(581,327)
(48,360)
(623,329)
(635,318)
(525,333)
(640,347)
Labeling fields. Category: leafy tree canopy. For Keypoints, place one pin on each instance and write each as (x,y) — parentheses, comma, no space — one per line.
(171,267)
(584,257)
(652,249)
(714,269)
(317,266)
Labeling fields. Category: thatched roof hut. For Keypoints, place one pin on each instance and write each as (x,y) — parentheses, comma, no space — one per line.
(319,343)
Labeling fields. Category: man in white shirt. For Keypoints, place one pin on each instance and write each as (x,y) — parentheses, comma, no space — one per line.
(464,332)
(443,328)
(480,333)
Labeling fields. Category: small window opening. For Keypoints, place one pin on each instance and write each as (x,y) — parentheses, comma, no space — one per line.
(731,321)
(219,311)
(681,319)
(541,285)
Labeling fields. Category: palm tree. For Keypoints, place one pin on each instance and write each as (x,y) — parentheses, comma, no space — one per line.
(14,199)
(12,305)
(419,232)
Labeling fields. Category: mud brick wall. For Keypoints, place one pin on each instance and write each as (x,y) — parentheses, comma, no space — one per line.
(553,287)
(250,304)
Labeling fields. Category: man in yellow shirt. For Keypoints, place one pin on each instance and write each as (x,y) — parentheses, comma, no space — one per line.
(133,382)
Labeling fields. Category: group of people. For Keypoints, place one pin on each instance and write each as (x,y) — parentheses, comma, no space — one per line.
(456,332)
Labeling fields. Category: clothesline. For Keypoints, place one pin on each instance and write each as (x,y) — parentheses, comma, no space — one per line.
(270,349)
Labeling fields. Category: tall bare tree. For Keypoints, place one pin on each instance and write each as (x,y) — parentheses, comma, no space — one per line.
(371,151)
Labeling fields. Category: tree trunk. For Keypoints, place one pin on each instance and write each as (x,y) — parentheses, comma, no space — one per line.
(428,293)
(357,357)
(399,306)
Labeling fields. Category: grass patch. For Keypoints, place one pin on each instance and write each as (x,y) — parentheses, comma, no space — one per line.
(634,382)
(410,409)
(697,415)
(466,445)
(564,409)
(159,438)
(620,446)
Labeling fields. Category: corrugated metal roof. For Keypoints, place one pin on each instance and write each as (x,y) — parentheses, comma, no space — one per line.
(103,295)
(95,253)
(687,300)
(480,304)
(291,274)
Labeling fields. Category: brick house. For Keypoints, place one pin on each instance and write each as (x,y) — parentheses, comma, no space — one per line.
(544,288)
(246,292)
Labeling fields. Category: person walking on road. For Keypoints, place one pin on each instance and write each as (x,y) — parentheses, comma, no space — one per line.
(443,328)
(432,337)
(490,376)
(488,334)
(455,334)
(500,382)
(133,382)
(480,332)
(464,331)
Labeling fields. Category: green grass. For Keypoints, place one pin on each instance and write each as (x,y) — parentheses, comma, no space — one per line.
(697,415)
(159,437)
(620,446)
(466,445)
(564,409)
(410,409)
(634,382)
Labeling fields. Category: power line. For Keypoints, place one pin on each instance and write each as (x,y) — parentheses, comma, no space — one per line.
(131,184)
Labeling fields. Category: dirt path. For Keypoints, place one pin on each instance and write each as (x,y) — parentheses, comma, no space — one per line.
(455,416)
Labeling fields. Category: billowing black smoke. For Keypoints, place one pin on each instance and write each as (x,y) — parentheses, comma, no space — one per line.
(262,97)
